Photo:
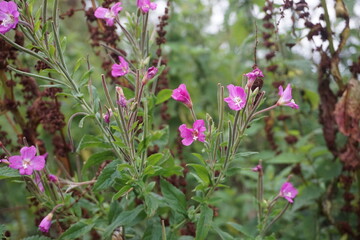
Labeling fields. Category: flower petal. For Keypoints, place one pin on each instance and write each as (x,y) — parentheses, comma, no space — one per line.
(15,162)
(116,8)
(286,96)
(28,152)
(38,163)
(199,125)
(281,90)
(187,141)
(100,12)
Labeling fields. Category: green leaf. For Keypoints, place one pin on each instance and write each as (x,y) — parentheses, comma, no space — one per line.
(78,64)
(92,141)
(173,197)
(98,158)
(245,154)
(154,158)
(125,218)
(240,228)
(124,190)
(163,96)
(200,157)
(286,158)
(204,223)
(222,234)
(6,172)
(77,230)
(85,77)
(153,229)
(151,203)
(202,174)
(107,177)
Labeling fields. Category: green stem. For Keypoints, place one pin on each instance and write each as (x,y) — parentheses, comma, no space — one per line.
(275,219)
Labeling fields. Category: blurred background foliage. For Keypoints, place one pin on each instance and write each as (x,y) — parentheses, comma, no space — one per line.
(201,51)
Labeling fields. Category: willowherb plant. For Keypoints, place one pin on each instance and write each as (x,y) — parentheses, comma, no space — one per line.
(129,197)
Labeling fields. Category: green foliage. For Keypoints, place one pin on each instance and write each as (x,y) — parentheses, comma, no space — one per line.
(174,198)
(204,223)
(6,172)
(77,230)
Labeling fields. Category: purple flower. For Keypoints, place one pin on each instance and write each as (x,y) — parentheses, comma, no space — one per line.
(45,224)
(286,98)
(106,116)
(121,69)
(237,97)
(9,16)
(27,161)
(182,95)
(253,75)
(288,192)
(108,14)
(193,134)
(146,5)
(122,102)
(53,178)
(258,168)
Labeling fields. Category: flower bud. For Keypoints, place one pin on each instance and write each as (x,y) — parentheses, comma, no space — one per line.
(151,72)
(45,224)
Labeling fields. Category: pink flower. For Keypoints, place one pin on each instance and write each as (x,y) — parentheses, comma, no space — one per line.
(182,95)
(193,134)
(146,5)
(45,224)
(39,183)
(258,168)
(121,69)
(288,192)
(253,75)
(106,116)
(237,97)
(9,16)
(27,161)
(53,178)
(286,98)
(108,14)
(122,102)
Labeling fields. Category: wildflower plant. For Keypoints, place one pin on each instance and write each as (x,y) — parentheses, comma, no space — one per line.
(130,191)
